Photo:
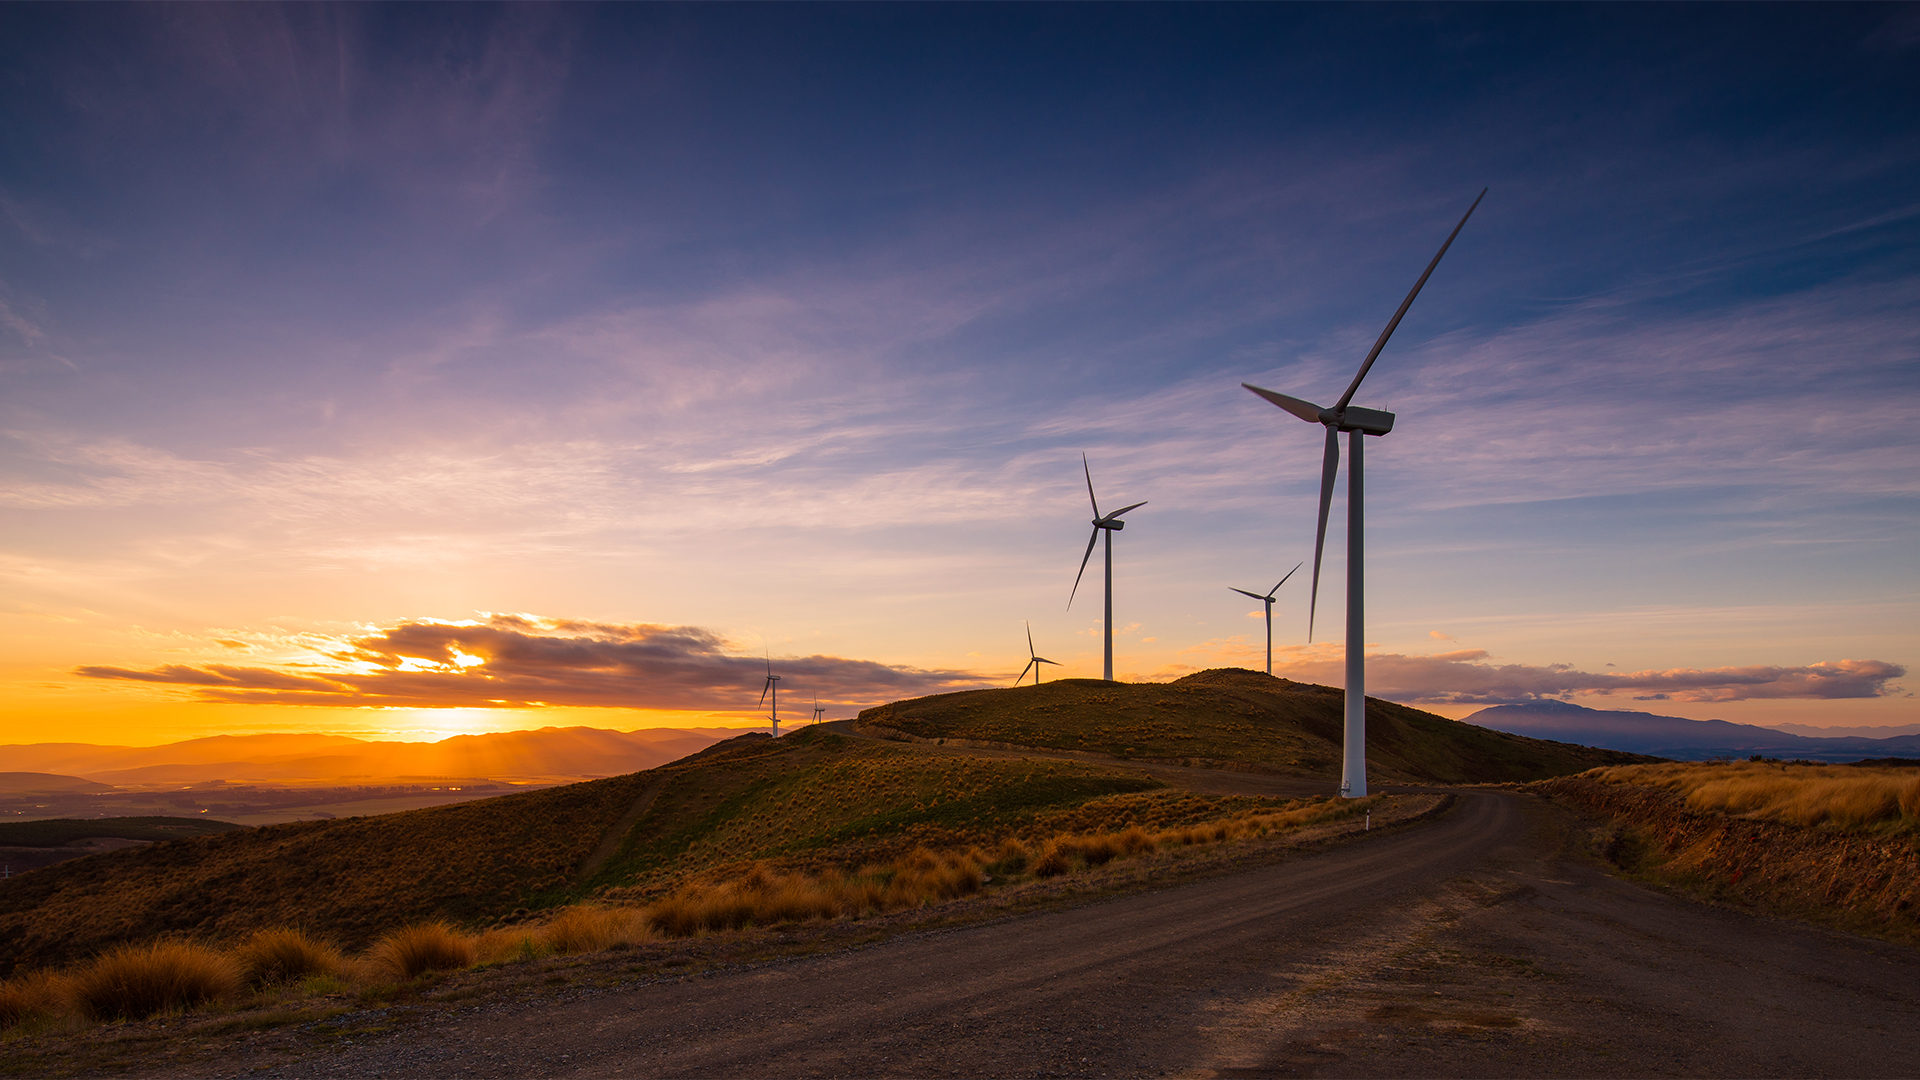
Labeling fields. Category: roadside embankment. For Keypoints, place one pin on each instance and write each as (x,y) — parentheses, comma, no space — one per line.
(1679,832)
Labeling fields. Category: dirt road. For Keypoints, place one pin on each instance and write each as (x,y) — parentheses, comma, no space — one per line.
(1470,945)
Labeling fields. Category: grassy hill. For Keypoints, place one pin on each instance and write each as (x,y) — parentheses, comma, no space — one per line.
(814,800)
(52,832)
(1232,715)
(809,797)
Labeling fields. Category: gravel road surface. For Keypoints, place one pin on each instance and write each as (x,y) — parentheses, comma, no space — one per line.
(1468,945)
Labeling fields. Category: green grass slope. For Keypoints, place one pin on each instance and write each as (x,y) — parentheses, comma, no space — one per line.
(809,796)
(1232,715)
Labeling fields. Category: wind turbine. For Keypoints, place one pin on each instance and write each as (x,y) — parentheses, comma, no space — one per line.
(819,710)
(1109,524)
(1267,600)
(772,687)
(1356,422)
(1034,663)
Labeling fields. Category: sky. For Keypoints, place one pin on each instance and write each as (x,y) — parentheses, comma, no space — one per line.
(407,371)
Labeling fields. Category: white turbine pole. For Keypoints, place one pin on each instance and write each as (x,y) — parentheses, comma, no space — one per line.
(1353,770)
(1268,604)
(1109,550)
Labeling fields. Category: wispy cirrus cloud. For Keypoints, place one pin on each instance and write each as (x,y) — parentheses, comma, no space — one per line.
(519,661)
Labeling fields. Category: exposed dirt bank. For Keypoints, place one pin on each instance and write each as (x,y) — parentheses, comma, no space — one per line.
(1863,883)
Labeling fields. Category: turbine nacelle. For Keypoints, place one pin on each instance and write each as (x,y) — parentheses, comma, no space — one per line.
(1352,418)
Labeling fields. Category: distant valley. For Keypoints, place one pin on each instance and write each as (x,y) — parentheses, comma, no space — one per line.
(264,779)
(1686,740)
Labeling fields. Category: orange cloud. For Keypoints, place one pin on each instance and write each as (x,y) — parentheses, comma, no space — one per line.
(525,662)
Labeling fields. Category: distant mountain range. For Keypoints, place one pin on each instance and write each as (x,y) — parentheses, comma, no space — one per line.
(548,753)
(1677,737)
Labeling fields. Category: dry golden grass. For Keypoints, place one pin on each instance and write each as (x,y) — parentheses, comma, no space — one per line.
(412,951)
(141,980)
(34,996)
(1839,796)
(579,929)
(285,955)
(137,981)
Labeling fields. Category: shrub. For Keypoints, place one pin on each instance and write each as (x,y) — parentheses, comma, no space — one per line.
(136,981)
(412,951)
(285,955)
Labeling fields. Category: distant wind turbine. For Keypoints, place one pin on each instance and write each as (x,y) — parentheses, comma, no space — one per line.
(1108,524)
(1355,422)
(1033,664)
(772,687)
(819,710)
(1267,601)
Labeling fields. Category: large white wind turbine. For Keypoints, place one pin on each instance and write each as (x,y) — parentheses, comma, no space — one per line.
(819,710)
(1035,662)
(1267,601)
(1356,422)
(772,687)
(1108,525)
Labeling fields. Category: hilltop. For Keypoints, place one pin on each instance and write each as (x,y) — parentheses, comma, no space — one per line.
(1235,718)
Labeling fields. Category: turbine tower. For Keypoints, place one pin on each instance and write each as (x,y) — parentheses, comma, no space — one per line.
(1267,600)
(1108,524)
(1356,422)
(1035,662)
(772,687)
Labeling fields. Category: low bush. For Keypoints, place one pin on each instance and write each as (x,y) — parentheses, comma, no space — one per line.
(133,982)
(285,955)
(412,951)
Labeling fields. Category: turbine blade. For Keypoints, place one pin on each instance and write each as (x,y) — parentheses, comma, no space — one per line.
(1115,516)
(1404,305)
(1044,660)
(1090,498)
(1244,592)
(1329,468)
(1030,637)
(763,691)
(1305,410)
(1023,673)
(1091,540)
(1283,581)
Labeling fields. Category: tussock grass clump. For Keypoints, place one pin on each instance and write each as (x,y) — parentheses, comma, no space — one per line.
(579,929)
(133,982)
(35,996)
(764,897)
(412,951)
(285,955)
(1842,797)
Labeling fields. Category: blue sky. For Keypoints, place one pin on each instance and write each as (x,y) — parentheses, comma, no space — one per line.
(789,324)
